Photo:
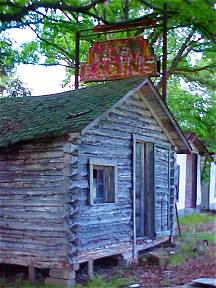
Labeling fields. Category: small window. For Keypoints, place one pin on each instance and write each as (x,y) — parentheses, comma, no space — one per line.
(102,182)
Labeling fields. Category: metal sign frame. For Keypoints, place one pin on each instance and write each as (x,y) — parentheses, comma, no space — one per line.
(134,25)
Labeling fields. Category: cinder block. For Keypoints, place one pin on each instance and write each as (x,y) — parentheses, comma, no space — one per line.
(61,274)
(161,260)
(60,282)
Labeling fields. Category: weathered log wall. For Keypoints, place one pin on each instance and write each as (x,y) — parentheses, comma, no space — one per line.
(32,230)
(108,228)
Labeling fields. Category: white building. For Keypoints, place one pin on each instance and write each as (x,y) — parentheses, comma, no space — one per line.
(209,189)
(191,194)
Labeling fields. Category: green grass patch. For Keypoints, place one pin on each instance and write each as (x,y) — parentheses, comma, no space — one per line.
(94,283)
(177,259)
(100,282)
(193,219)
(194,237)
(20,283)
(185,251)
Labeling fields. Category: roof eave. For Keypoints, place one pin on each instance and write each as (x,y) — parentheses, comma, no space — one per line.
(185,147)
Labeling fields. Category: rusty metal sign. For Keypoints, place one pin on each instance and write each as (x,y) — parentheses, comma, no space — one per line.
(119,58)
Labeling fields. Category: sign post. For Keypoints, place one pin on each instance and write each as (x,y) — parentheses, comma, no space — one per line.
(77,62)
(164,63)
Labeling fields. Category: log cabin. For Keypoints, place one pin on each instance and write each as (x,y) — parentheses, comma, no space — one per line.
(86,174)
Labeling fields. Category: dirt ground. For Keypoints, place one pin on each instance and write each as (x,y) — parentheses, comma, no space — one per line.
(191,266)
(197,267)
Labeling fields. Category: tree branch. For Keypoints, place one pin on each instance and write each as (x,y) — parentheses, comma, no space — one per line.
(64,52)
(21,11)
(47,64)
(150,5)
(199,81)
(195,69)
(180,52)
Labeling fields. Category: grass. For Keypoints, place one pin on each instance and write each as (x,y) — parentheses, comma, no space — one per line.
(96,282)
(193,230)
(20,283)
(100,282)
(193,219)
(194,227)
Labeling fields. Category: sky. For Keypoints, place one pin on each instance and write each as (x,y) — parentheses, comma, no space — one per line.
(40,80)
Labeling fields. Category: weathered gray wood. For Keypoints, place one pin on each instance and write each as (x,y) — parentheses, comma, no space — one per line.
(110,139)
(32,214)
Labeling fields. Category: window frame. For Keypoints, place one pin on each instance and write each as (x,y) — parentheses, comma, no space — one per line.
(102,162)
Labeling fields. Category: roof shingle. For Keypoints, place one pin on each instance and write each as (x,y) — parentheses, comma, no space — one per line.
(34,117)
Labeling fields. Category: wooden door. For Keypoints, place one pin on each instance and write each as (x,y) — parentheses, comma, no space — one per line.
(139,189)
(144,189)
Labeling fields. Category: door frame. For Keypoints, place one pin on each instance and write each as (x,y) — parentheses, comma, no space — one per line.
(136,138)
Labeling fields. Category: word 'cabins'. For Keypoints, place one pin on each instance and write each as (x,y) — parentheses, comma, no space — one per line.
(86,174)
(118,59)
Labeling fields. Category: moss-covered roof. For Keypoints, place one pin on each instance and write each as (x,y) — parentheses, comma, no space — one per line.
(34,117)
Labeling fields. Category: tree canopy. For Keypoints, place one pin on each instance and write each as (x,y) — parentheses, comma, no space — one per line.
(191,40)
(10,84)
(191,24)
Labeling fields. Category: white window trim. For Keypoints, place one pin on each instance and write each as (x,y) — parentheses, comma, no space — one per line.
(103,162)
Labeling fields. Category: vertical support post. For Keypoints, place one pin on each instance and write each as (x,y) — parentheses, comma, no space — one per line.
(77,62)
(135,252)
(177,218)
(31,274)
(90,268)
(164,64)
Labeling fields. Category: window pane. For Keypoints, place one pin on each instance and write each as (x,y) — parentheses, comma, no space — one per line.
(103,184)
(100,191)
(101,176)
(109,185)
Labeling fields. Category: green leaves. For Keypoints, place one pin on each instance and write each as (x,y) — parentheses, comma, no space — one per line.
(8,56)
(194,112)
(191,45)
(10,85)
